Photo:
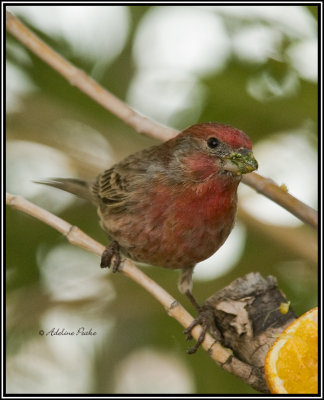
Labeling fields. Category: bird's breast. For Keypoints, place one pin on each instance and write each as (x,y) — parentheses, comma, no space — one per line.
(178,228)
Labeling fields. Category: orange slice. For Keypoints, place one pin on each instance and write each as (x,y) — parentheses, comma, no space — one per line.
(291,362)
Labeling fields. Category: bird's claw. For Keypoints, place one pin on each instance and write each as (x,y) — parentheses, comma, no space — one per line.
(111,257)
(207,321)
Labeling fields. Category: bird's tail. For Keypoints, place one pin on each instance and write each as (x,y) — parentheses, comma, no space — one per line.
(75,186)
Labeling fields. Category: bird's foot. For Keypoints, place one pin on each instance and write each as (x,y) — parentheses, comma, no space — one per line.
(111,257)
(207,320)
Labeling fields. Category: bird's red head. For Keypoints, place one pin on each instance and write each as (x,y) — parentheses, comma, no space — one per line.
(225,133)
(207,149)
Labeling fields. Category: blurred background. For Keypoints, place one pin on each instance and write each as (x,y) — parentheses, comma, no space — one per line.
(253,67)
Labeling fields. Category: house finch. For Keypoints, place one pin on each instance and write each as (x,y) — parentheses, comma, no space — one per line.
(174,204)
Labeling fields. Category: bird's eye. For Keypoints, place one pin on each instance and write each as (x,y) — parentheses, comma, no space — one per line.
(213,142)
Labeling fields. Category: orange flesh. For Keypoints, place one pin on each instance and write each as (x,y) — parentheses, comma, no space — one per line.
(297,359)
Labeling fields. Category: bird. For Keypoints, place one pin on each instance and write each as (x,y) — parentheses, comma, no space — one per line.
(171,205)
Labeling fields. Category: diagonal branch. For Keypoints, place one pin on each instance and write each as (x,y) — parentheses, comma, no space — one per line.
(280,196)
(221,355)
(77,237)
(78,78)
(141,124)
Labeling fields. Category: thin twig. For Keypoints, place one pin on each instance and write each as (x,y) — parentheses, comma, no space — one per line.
(274,192)
(142,124)
(78,238)
(78,78)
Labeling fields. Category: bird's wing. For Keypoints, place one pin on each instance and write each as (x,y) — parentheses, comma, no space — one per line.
(111,188)
(115,187)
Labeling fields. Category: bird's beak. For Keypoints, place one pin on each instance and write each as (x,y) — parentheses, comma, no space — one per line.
(240,162)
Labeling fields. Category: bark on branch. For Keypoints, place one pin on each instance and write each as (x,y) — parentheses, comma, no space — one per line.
(141,124)
(247,312)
